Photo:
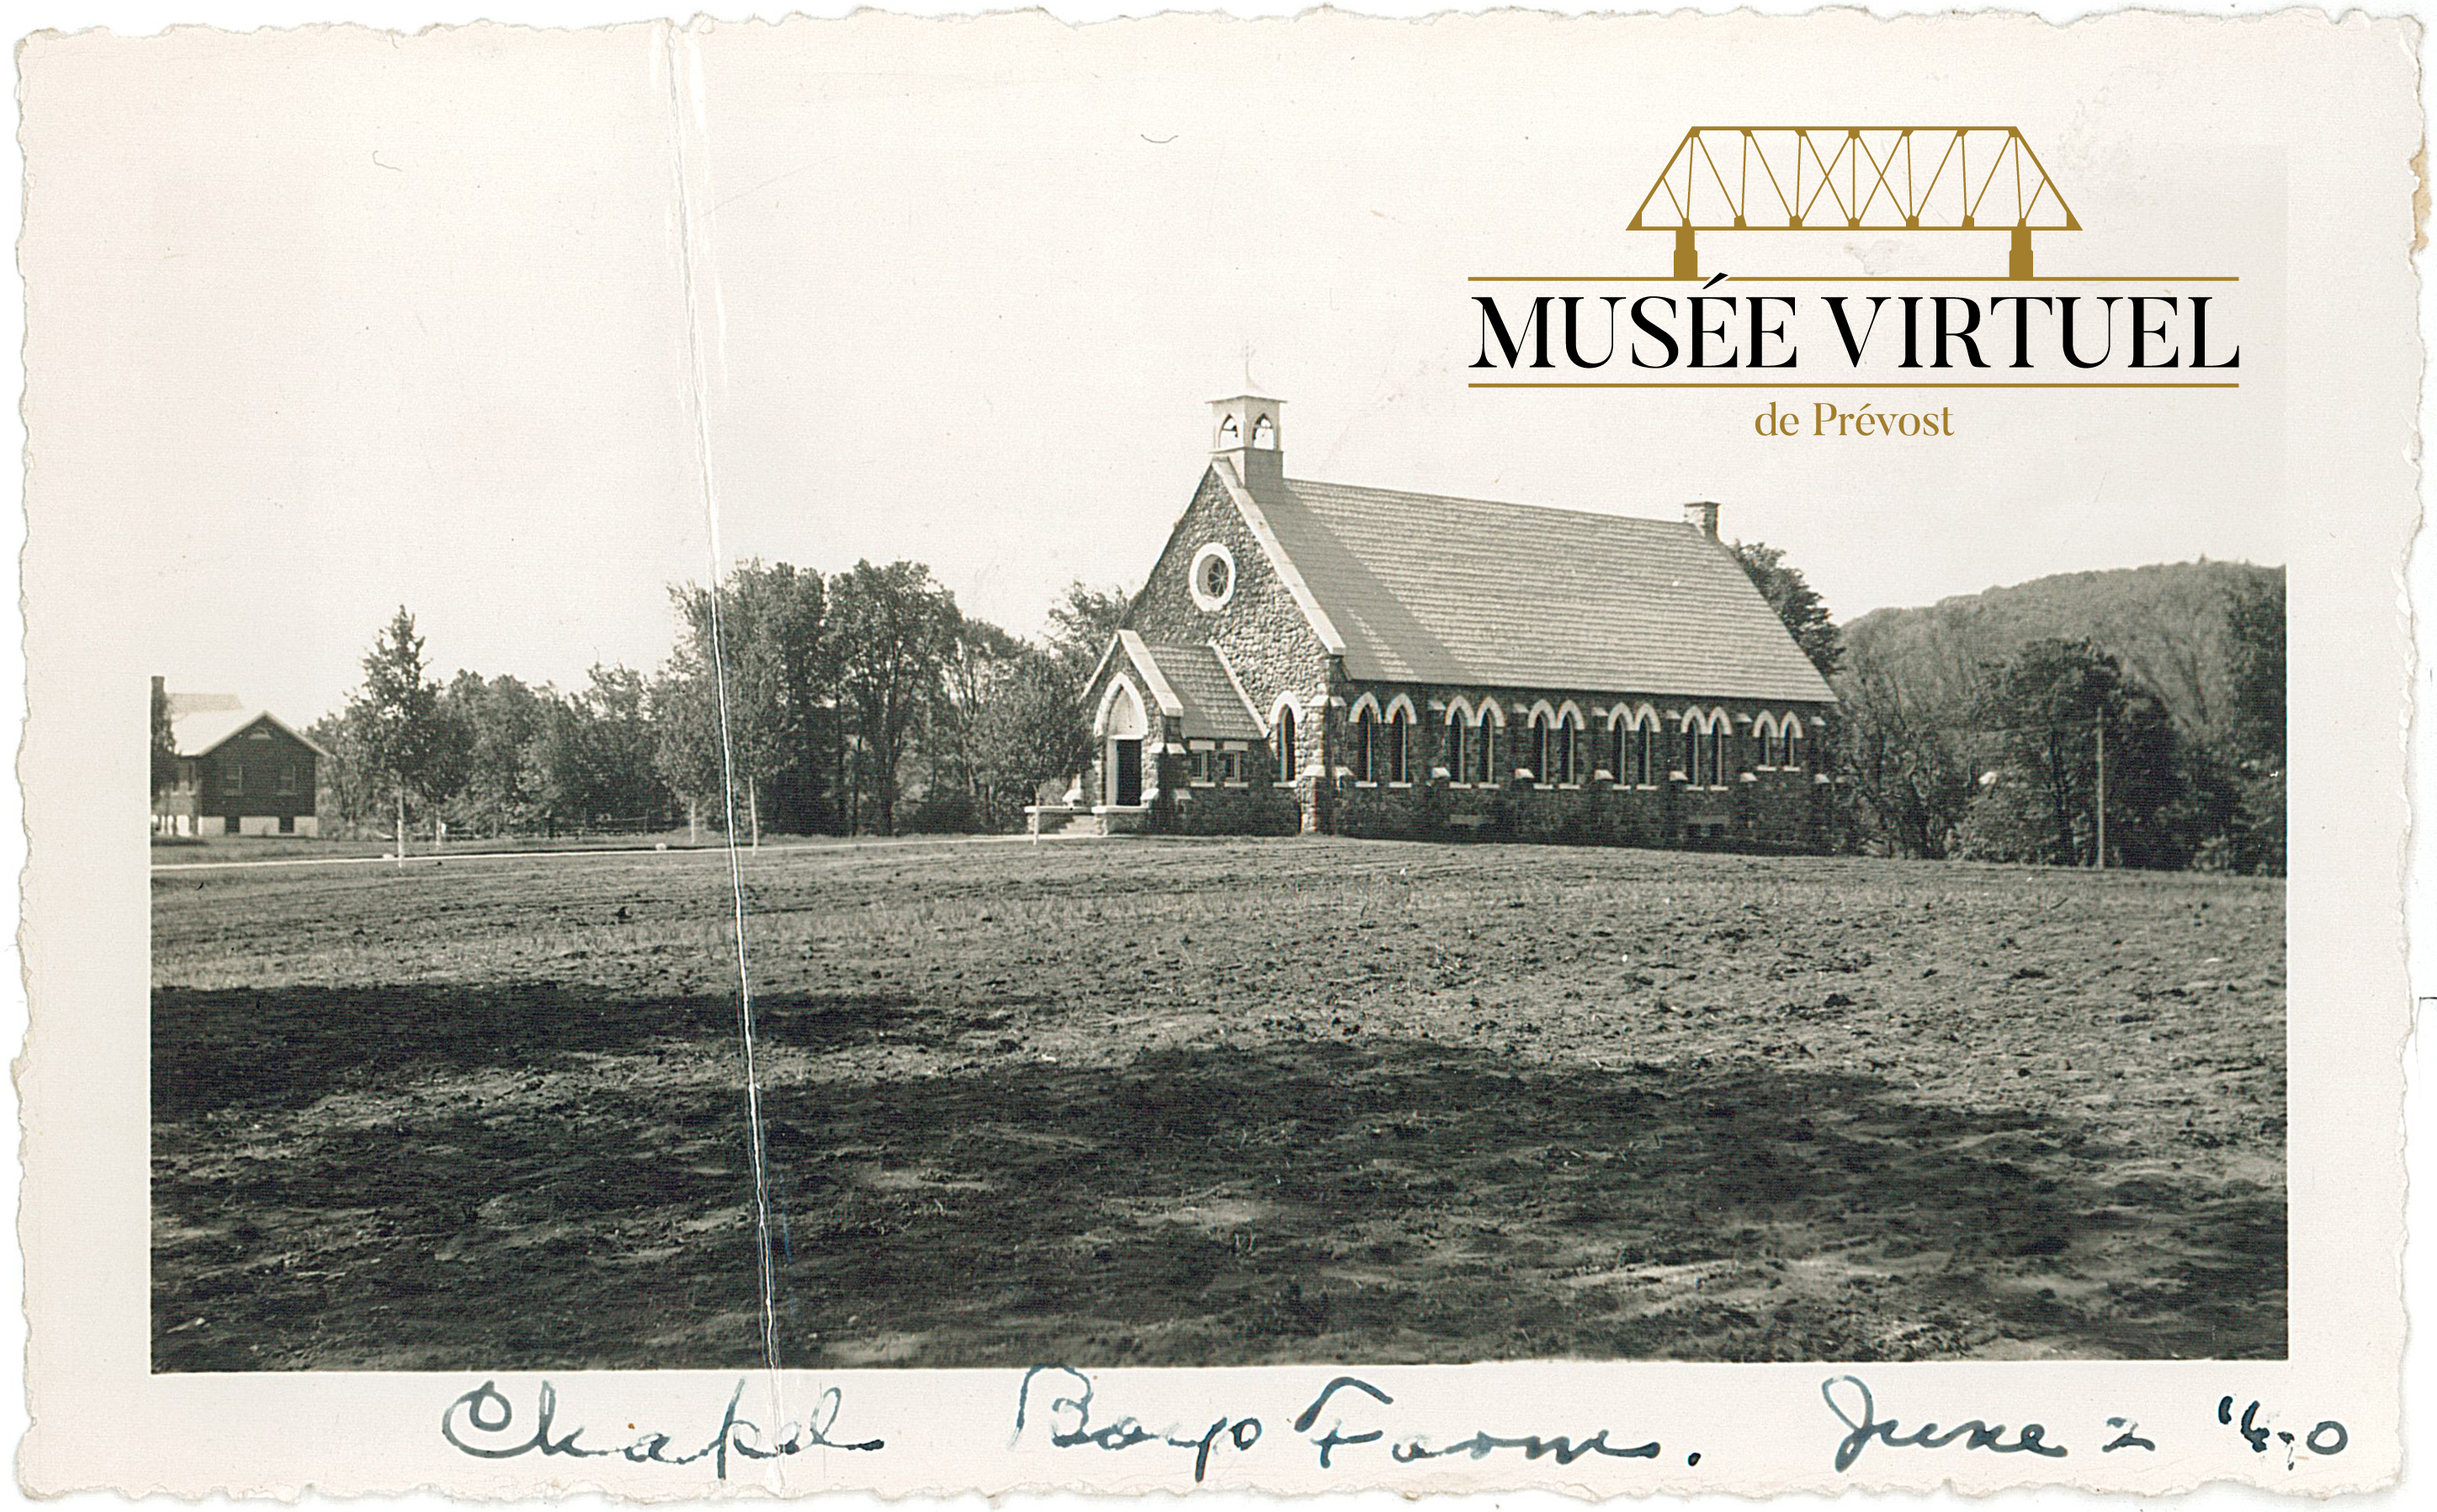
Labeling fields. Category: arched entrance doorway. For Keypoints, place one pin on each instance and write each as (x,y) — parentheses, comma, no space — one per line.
(1124,727)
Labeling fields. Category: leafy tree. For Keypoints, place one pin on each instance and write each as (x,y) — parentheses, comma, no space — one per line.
(894,628)
(165,742)
(492,730)
(2256,626)
(979,660)
(2049,714)
(1907,757)
(1030,729)
(398,733)
(1081,622)
(594,754)
(769,639)
(1795,602)
(684,713)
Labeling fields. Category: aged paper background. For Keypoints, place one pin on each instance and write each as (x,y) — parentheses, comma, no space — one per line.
(100,1421)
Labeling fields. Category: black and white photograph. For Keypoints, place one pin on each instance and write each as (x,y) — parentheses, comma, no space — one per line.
(879,696)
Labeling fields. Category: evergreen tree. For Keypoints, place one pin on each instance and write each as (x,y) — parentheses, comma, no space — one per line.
(1795,602)
(165,742)
(398,731)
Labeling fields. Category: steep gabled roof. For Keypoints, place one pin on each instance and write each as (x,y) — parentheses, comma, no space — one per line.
(209,721)
(1426,589)
(1214,706)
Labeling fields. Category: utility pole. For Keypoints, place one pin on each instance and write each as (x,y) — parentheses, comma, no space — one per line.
(2102,791)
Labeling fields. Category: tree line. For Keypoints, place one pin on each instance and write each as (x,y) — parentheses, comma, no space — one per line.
(2015,726)
(863,701)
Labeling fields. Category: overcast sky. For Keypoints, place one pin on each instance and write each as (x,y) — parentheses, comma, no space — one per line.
(328,322)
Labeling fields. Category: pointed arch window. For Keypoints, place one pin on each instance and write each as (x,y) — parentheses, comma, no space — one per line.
(1265,434)
(1481,756)
(1636,751)
(1566,752)
(1535,747)
(1366,745)
(1456,743)
(1282,740)
(1793,727)
(1399,745)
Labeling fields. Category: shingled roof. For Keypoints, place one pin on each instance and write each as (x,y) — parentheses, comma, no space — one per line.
(1214,705)
(1467,592)
(1193,683)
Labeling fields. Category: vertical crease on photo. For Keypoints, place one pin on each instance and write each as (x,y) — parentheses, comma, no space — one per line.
(682,63)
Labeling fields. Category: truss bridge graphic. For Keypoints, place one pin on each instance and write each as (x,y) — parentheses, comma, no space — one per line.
(1853,178)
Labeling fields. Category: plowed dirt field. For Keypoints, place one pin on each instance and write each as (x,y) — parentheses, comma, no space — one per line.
(1218,1103)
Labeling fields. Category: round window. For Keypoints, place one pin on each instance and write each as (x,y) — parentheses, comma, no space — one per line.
(1214,576)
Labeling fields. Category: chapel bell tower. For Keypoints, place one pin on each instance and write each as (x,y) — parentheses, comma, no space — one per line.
(1245,430)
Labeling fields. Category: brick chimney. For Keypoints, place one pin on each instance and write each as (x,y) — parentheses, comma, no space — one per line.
(1704,514)
(1245,430)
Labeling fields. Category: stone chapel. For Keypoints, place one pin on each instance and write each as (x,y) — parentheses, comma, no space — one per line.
(1318,657)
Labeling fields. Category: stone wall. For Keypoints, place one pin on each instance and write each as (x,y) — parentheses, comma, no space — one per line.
(1783,817)
(1262,631)
(1752,809)
(1249,808)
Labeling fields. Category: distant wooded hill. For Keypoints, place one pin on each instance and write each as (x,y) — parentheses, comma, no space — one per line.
(2168,623)
(1941,705)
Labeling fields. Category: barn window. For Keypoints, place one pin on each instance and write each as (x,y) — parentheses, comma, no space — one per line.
(287,777)
(1283,738)
(233,778)
(1366,744)
(1400,726)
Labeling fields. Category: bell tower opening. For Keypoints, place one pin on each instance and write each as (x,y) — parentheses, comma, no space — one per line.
(1248,431)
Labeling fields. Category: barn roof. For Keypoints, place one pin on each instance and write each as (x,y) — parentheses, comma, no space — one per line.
(203,723)
(1422,587)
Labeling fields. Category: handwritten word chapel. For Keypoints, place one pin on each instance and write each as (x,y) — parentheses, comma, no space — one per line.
(1314,658)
